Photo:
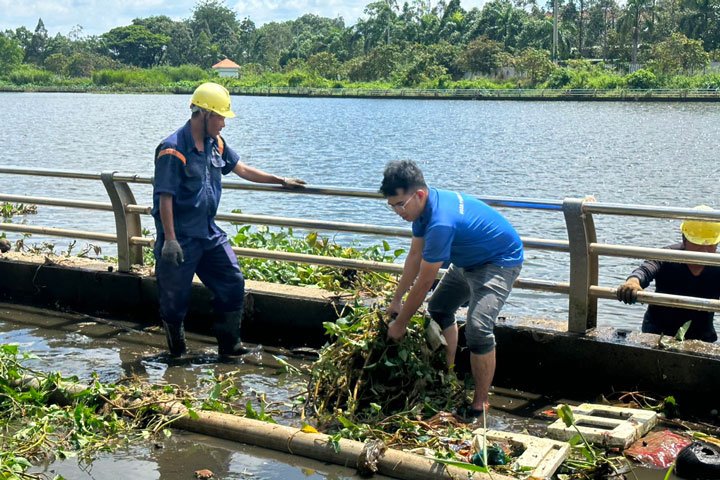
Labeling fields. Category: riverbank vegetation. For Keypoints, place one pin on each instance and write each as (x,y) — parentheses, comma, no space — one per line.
(602,44)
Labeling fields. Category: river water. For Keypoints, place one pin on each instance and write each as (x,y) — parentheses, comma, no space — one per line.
(639,153)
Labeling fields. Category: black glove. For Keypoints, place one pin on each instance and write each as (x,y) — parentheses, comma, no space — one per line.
(172,252)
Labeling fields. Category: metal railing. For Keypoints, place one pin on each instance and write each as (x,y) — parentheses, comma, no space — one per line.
(584,250)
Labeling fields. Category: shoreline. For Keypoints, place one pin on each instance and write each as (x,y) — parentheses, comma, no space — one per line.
(573,95)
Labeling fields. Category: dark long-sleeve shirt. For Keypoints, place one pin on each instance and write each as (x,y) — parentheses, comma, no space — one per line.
(677,279)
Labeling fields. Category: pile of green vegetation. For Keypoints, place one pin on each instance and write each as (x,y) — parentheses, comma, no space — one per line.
(45,416)
(41,420)
(366,377)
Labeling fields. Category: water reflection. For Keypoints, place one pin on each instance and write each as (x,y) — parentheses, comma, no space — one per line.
(184,453)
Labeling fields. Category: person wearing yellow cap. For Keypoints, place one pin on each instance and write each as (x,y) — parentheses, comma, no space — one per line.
(680,279)
(189,165)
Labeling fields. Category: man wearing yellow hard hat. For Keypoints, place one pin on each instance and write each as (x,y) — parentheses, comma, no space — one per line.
(680,279)
(189,165)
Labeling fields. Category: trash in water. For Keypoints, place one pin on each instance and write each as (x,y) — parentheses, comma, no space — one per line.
(657,449)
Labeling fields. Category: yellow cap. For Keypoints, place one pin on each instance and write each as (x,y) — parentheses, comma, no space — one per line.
(701,232)
(214,97)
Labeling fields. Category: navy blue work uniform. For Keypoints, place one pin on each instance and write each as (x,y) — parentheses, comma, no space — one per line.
(193,178)
(677,279)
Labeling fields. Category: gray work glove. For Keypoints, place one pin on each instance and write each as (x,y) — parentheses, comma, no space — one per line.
(172,252)
(627,292)
(293,183)
(434,336)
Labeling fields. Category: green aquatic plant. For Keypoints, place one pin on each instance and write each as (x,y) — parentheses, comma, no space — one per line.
(44,416)
(42,419)
(9,210)
(682,331)
(326,277)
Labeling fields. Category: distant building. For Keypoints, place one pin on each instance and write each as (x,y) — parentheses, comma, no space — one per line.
(227,68)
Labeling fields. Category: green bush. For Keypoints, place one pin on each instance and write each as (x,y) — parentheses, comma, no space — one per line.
(109,77)
(56,63)
(641,79)
(707,81)
(560,78)
(296,78)
(158,76)
(191,73)
(711,81)
(27,75)
(683,82)
(478,83)
(606,81)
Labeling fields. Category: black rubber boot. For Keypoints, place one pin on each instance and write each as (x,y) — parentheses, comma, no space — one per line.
(175,335)
(227,332)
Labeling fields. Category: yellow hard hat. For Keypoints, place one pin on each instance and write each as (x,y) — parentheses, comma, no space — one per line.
(213,97)
(701,232)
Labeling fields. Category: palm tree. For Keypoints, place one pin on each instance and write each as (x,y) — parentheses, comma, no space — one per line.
(699,20)
(630,22)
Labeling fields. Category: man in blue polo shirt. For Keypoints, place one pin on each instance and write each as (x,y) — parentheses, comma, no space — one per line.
(189,165)
(485,255)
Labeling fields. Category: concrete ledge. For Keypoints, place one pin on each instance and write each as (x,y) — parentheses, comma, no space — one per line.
(545,357)
(275,314)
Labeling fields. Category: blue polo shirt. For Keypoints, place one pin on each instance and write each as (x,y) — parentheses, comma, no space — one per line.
(465,231)
(193,178)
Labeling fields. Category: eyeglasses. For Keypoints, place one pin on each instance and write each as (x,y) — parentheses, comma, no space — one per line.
(400,206)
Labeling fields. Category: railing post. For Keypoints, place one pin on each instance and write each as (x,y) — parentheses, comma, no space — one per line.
(127,225)
(582,310)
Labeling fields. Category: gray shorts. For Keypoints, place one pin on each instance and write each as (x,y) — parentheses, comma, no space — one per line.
(487,288)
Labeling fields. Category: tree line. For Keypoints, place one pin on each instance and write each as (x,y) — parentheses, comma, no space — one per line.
(415,43)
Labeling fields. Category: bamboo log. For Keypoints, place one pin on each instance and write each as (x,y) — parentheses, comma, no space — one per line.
(318,446)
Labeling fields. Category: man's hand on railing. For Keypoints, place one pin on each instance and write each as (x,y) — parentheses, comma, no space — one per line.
(172,252)
(293,183)
(627,292)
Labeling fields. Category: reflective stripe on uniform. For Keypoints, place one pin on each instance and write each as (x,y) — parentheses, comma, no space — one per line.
(174,153)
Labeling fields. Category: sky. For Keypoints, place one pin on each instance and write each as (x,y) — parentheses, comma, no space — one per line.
(99,16)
